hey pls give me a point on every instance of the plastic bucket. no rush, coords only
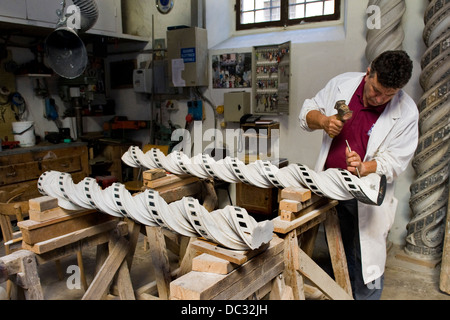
(24, 133)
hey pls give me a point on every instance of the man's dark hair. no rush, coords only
(393, 69)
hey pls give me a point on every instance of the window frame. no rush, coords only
(284, 17)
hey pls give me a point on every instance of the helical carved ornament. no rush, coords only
(335, 184)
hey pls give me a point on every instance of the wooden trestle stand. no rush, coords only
(206, 270)
(300, 217)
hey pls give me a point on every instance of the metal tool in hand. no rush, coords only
(350, 150)
(344, 112)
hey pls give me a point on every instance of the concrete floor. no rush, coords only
(403, 280)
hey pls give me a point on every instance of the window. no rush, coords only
(281, 13)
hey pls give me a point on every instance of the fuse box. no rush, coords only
(271, 79)
(187, 52)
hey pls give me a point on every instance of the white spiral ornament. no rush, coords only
(389, 34)
(231, 227)
(335, 184)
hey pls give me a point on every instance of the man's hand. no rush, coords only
(354, 161)
(331, 125)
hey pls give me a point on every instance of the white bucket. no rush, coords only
(24, 133)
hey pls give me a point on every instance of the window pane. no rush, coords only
(248, 17)
(314, 9)
(247, 5)
(272, 14)
(297, 11)
(260, 4)
(329, 7)
(268, 12)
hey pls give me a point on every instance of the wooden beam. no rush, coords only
(337, 252)
(309, 269)
(102, 280)
(292, 278)
(160, 260)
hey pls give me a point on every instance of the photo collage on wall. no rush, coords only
(232, 70)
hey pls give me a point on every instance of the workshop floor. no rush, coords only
(403, 280)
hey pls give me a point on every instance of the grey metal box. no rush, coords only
(236, 104)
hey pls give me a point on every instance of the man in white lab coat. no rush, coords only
(383, 136)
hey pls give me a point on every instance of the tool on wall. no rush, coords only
(344, 113)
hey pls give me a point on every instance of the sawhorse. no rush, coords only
(298, 264)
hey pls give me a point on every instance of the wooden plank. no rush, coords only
(170, 179)
(160, 260)
(208, 263)
(31, 224)
(283, 227)
(72, 237)
(34, 231)
(309, 269)
(337, 252)
(252, 274)
(50, 214)
(172, 194)
(104, 277)
(292, 278)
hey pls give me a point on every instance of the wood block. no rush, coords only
(208, 263)
(50, 214)
(70, 238)
(287, 215)
(290, 205)
(283, 227)
(169, 180)
(239, 284)
(43, 203)
(305, 207)
(153, 174)
(34, 231)
(296, 193)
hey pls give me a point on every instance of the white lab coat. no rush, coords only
(392, 144)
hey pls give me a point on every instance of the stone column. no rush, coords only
(430, 190)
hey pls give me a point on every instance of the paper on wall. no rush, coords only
(177, 68)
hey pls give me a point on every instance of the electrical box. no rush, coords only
(187, 52)
(236, 104)
(195, 108)
(271, 79)
(142, 80)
